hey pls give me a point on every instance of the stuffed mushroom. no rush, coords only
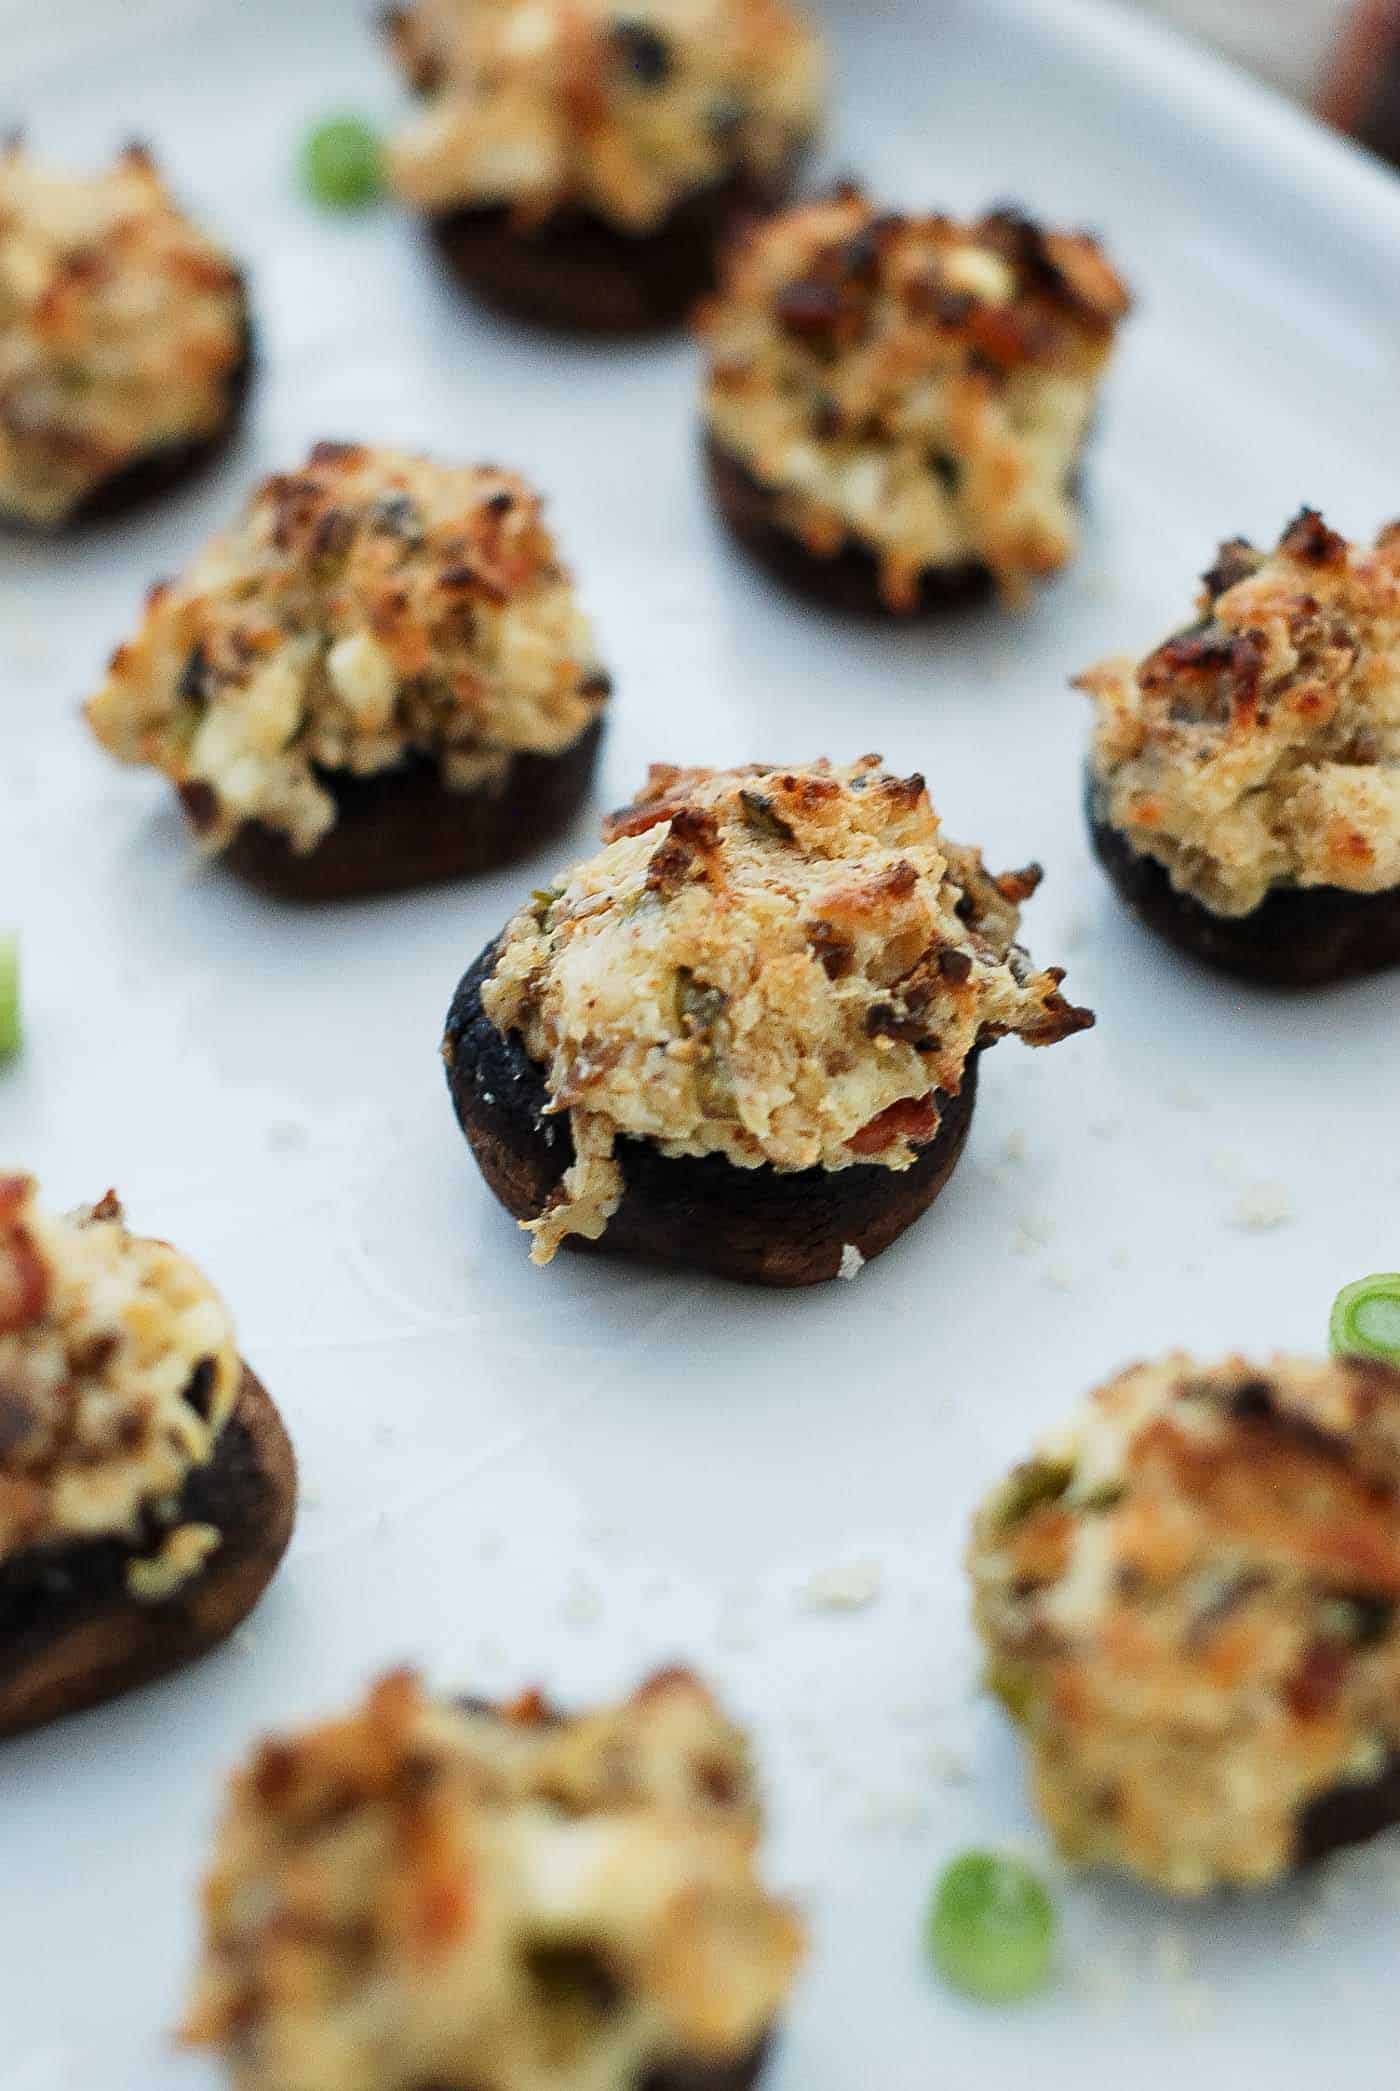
(745, 1036)
(125, 341)
(895, 408)
(436, 1892)
(581, 164)
(147, 1488)
(1244, 782)
(380, 677)
(1190, 1601)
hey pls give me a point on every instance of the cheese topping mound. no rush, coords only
(121, 328)
(367, 609)
(777, 966)
(1189, 1599)
(118, 1370)
(420, 1893)
(627, 112)
(1260, 747)
(920, 385)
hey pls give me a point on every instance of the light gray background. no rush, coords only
(575, 1474)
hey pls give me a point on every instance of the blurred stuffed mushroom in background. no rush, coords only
(378, 678)
(1244, 779)
(125, 341)
(147, 1486)
(582, 164)
(896, 408)
(1190, 1602)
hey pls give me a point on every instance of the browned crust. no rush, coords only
(1298, 936)
(72, 1636)
(848, 580)
(759, 1226)
(579, 274)
(159, 471)
(403, 828)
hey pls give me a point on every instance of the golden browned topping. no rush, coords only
(118, 1370)
(920, 385)
(428, 1893)
(622, 110)
(121, 327)
(1189, 1602)
(777, 966)
(1260, 747)
(370, 607)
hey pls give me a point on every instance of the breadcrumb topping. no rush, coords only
(921, 385)
(777, 966)
(1189, 1600)
(546, 104)
(427, 1893)
(121, 328)
(371, 607)
(118, 1371)
(1260, 747)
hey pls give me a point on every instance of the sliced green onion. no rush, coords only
(991, 1930)
(1366, 1319)
(341, 163)
(9, 997)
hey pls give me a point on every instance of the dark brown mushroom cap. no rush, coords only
(847, 580)
(579, 274)
(1298, 937)
(72, 1634)
(158, 472)
(402, 829)
(759, 1226)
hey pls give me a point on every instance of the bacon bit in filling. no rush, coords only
(371, 607)
(546, 104)
(118, 1371)
(919, 386)
(913, 1119)
(1260, 748)
(427, 1893)
(121, 329)
(1190, 1600)
(783, 967)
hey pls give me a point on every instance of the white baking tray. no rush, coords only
(574, 1474)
